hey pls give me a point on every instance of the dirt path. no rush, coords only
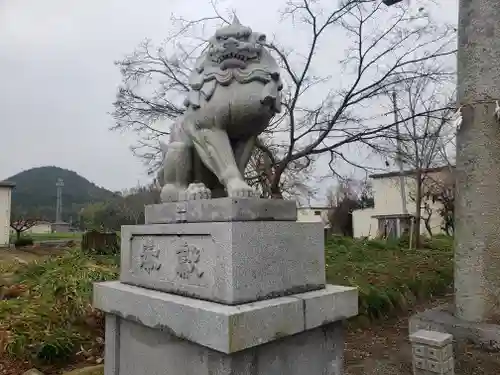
(384, 349)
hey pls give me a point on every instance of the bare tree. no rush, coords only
(127, 208)
(22, 224)
(296, 183)
(350, 194)
(324, 100)
(417, 144)
(444, 193)
(131, 204)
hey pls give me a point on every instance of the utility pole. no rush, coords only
(59, 186)
(399, 156)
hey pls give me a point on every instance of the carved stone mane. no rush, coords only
(257, 65)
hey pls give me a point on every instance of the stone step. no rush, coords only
(221, 209)
(223, 328)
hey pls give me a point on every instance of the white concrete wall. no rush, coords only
(40, 228)
(387, 192)
(363, 223)
(308, 215)
(5, 202)
(387, 197)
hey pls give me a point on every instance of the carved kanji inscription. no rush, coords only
(150, 254)
(188, 258)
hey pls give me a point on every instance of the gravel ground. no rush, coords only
(384, 349)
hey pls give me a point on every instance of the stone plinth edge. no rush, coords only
(431, 338)
(223, 328)
(441, 319)
(221, 209)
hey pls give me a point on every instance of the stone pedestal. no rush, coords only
(432, 353)
(238, 291)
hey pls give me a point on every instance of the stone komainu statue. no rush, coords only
(234, 93)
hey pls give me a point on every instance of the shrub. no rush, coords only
(101, 243)
(23, 241)
(391, 277)
(51, 322)
(55, 319)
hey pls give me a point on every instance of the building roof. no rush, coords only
(314, 208)
(7, 184)
(392, 216)
(409, 172)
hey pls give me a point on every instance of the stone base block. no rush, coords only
(432, 353)
(441, 319)
(132, 349)
(156, 333)
(223, 328)
(227, 262)
(221, 209)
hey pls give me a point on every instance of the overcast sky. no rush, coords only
(57, 78)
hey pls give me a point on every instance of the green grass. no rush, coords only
(49, 236)
(50, 323)
(390, 277)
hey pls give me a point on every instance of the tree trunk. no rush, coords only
(451, 226)
(276, 192)
(18, 234)
(418, 208)
(428, 225)
(275, 189)
(427, 217)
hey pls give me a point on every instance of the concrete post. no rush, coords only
(477, 223)
(432, 353)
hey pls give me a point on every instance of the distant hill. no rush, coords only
(35, 193)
